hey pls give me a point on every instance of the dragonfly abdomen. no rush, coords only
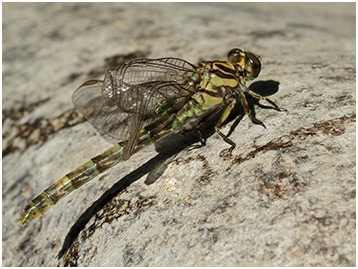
(73, 180)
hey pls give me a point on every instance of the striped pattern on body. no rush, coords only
(210, 84)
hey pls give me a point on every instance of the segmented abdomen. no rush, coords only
(71, 181)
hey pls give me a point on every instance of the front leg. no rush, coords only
(247, 111)
(261, 97)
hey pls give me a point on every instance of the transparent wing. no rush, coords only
(128, 98)
(145, 70)
(102, 112)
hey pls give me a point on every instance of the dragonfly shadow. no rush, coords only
(167, 149)
(155, 167)
(265, 88)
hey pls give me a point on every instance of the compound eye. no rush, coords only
(255, 63)
(234, 55)
(234, 52)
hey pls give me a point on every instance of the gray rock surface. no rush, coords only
(286, 195)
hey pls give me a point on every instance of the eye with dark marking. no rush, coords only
(234, 52)
(234, 55)
(254, 62)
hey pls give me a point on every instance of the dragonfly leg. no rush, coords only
(247, 111)
(201, 140)
(202, 123)
(222, 119)
(261, 97)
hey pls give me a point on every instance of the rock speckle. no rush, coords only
(284, 197)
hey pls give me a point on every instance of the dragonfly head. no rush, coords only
(249, 62)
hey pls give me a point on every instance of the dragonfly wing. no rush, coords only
(147, 70)
(128, 97)
(102, 112)
(149, 98)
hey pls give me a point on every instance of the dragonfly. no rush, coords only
(144, 100)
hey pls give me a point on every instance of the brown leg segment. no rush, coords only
(220, 122)
(245, 105)
(202, 122)
(261, 97)
(201, 144)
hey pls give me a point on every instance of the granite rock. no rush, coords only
(286, 195)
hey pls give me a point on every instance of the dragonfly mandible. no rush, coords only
(144, 100)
